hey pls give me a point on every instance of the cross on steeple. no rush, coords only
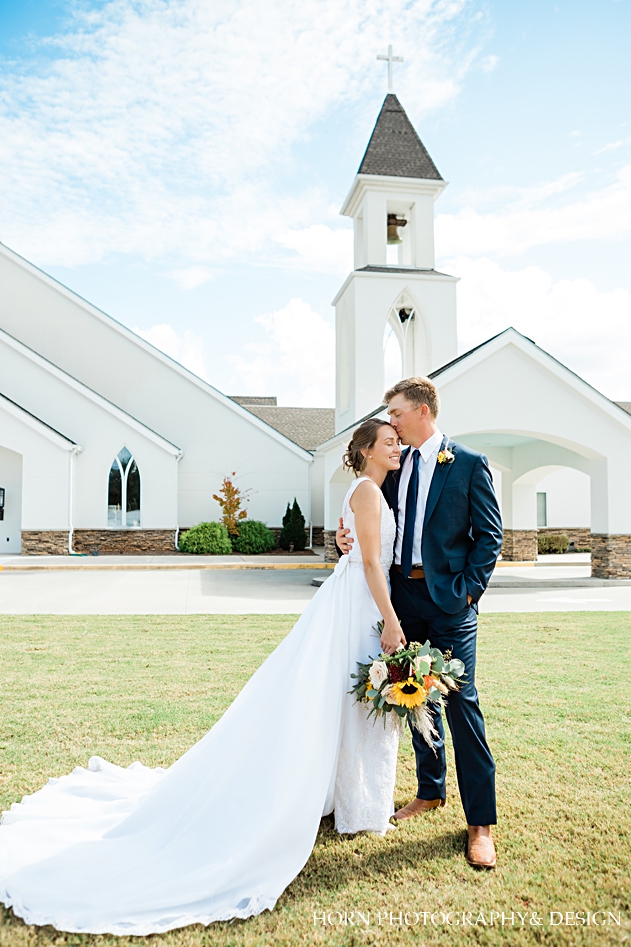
(390, 59)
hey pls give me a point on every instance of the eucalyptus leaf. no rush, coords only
(455, 667)
(437, 663)
(372, 693)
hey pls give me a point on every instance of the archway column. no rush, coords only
(611, 519)
(519, 519)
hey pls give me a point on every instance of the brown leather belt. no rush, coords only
(418, 572)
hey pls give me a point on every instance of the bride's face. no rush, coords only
(386, 451)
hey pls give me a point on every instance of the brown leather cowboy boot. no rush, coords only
(417, 807)
(480, 847)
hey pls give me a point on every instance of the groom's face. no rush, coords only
(409, 420)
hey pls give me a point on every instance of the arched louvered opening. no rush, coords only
(123, 501)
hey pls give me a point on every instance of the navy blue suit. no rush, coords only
(462, 538)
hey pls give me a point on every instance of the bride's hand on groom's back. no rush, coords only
(342, 539)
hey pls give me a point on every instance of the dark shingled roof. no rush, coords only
(392, 268)
(306, 427)
(395, 148)
(247, 400)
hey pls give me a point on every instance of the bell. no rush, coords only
(394, 223)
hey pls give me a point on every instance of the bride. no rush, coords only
(224, 830)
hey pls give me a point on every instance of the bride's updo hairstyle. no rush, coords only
(363, 439)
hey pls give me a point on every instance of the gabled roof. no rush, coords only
(478, 353)
(88, 393)
(394, 147)
(17, 411)
(152, 350)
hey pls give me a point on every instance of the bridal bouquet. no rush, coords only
(404, 682)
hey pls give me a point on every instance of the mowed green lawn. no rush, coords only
(556, 691)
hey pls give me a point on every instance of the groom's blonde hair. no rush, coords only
(417, 391)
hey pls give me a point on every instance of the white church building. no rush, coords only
(107, 445)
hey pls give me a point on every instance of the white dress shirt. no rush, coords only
(426, 467)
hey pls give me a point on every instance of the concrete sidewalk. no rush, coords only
(15, 563)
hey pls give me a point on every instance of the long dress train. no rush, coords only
(223, 831)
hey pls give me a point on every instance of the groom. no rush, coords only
(449, 535)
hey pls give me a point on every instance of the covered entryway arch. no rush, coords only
(523, 459)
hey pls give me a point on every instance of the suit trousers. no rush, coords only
(421, 619)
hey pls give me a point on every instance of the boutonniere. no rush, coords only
(445, 456)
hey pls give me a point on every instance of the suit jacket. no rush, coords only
(462, 529)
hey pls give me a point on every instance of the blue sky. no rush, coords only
(182, 164)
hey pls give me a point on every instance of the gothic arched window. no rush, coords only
(123, 497)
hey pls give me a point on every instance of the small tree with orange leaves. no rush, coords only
(230, 502)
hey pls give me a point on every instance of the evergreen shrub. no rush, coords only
(254, 538)
(293, 530)
(206, 539)
(551, 542)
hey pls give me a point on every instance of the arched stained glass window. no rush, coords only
(123, 499)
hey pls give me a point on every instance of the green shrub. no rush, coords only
(254, 537)
(207, 539)
(551, 542)
(293, 530)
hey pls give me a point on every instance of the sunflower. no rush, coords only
(408, 693)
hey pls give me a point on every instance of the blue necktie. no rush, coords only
(410, 518)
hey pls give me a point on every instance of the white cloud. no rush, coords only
(187, 349)
(489, 63)
(297, 363)
(191, 277)
(321, 248)
(601, 214)
(610, 147)
(586, 329)
(166, 127)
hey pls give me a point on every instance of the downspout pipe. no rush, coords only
(176, 538)
(71, 465)
(310, 546)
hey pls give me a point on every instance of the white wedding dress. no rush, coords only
(224, 830)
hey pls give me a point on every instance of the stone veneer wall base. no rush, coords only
(45, 542)
(103, 542)
(520, 545)
(611, 555)
(117, 542)
(579, 535)
(124, 542)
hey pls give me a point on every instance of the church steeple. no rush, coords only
(394, 300)
(397, 181)
(394, 148)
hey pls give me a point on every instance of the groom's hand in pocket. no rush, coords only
(342, 539)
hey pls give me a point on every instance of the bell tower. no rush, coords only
(394, 290)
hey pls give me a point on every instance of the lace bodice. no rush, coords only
(388, 529)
